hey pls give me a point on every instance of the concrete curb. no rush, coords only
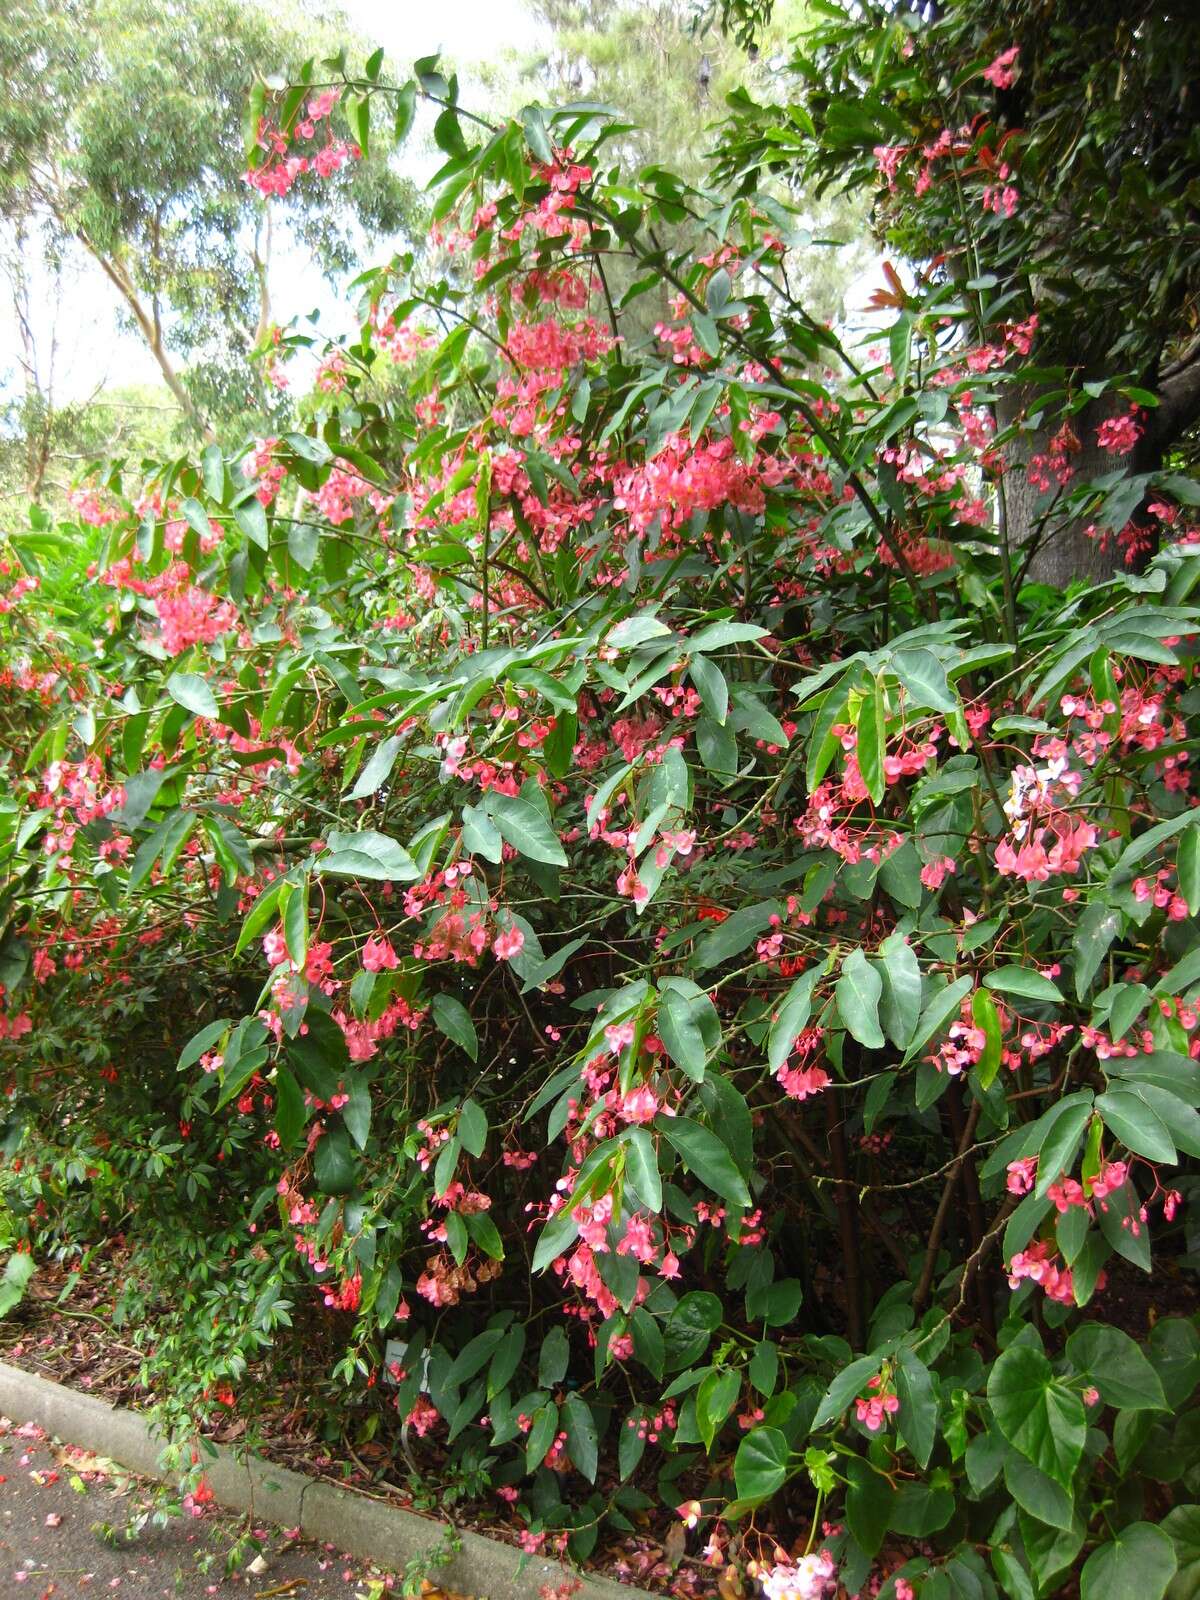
(387, 1535)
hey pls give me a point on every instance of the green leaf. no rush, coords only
(985, 1017)
(1037, 1494)
(858, 993)
(719, 634)
(707, 1157)
(761, 1464)
(480, 836)
(1117, 1367)
(688, 1026)
(690, 1327)
(1037, 1413)
(553, 1358)
(776, 1303)
(763, 1367)
(1098, 927)
(869, 1498)
(541, 1435)
(1050, 1550)
(485, 1234)
(192, 692)
(917, 1420)
(524, 827)
(1175, 1354)
(1012, 1575)
(290, 1115)
(871, 725)
(454, 1020)
(356, 1113)
(1182, 1526)
(377, 770)
(472, 1127)
(937, 1015)
(19, 1270)
(474, 1356)
(358, 115)
(848, 1383)
(714, 691)
(1137, 1564)
(200, 1043)
(715, 1399)
(406, 109)
(335, 1165)
(1127, 1116)
(631, 1446)
(731, 937)
(924, 678)
(251, 518)
(792, 1018)
(1187, 867)
(367, 854)
(641, 1167)
(1056, 1154)
(900, 1004)
(582, 1438)
(1024, 983)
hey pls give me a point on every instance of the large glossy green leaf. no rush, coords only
(1117, 1367)
(857, 994)
(641, 1167)
(367, 854)
(760, 1467)
(1023, 983)
(192, 692)
(917, 1421)
(1136, 1564)
(688, 1025)
(1037, 1412)
(454, 1020)
(1139, 1128)
(582, 1436)
(706, 1157)
(524, 827)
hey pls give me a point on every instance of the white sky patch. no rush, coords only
(94, 352)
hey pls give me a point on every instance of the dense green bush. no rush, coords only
(598, 866)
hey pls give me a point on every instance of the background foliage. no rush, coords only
(592, 858)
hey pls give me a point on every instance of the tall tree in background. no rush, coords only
(1082, 206)
(670, 73)
(122, 129)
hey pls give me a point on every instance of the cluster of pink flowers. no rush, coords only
(1040, 1264)
(275, 176)
(338, 495)
(874, 1408)
(1119, 435)
(1052, 467)
(1001, 72)
(1033, 862)
(799, 1080)
(805, 1578)
(269, 473)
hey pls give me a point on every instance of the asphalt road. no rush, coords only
(72, 1524)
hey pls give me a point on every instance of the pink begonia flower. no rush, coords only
(378, 955)
(1000, 72)
(507, 944)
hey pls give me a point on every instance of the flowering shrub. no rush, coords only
(589, 876)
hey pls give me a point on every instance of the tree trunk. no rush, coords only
(1065, 552)
(152, 334)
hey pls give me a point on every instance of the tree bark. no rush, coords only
(1066, 552)
(152, 334)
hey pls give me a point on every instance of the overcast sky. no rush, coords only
(94, 353)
